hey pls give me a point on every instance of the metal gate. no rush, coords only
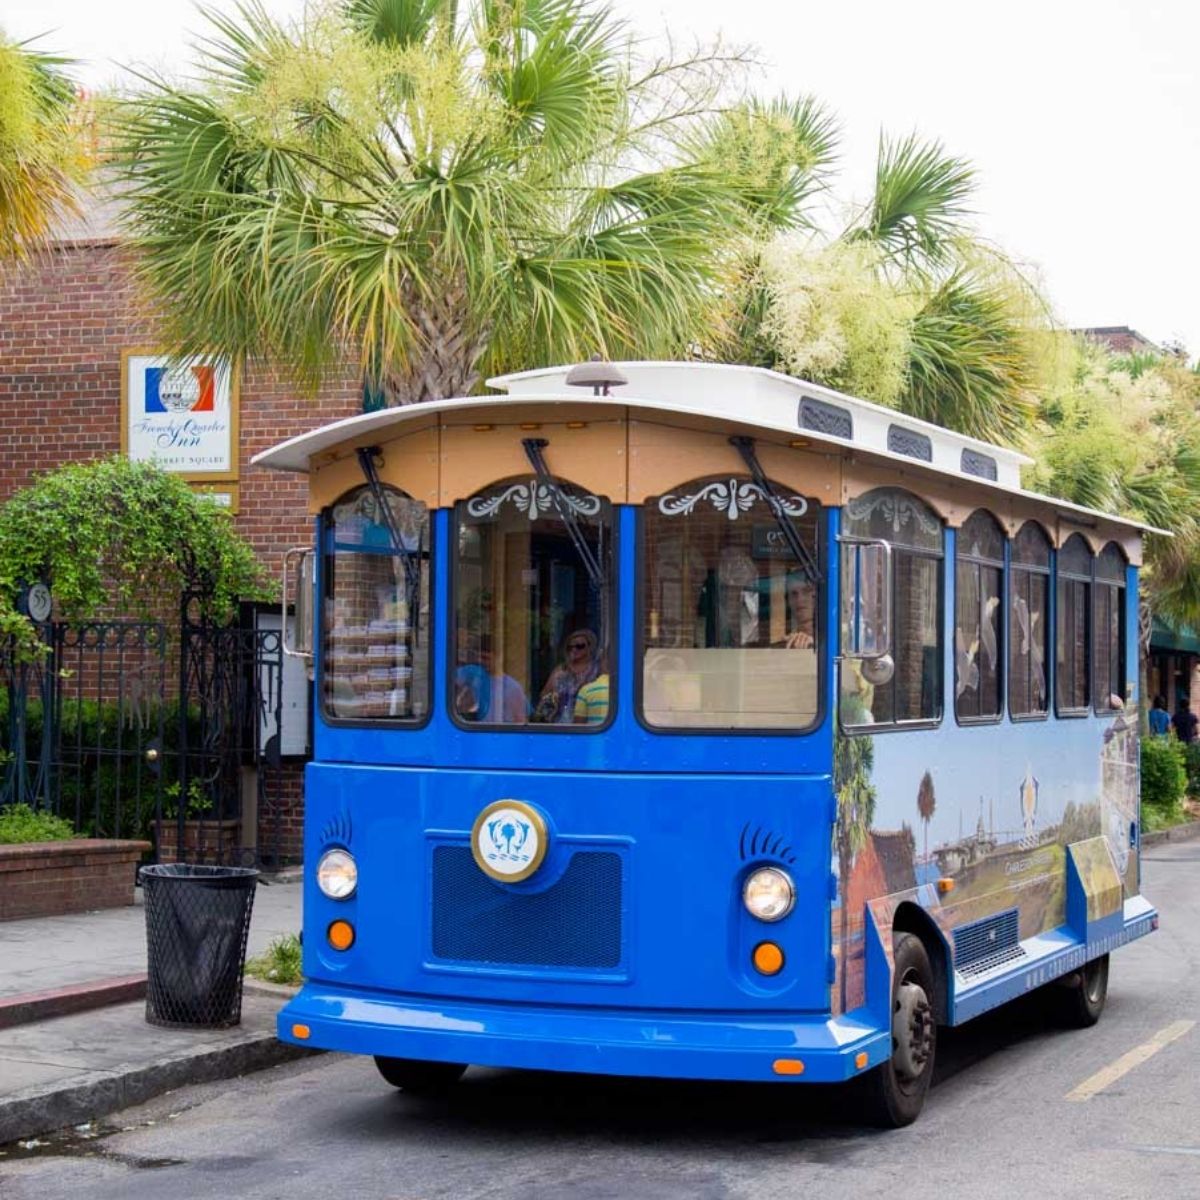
(92, 733)
(228, 764)
(81, 723)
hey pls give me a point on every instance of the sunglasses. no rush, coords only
(577, 645)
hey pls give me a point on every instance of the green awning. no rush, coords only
(1183, 640)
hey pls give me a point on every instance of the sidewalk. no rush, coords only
(57, 1070)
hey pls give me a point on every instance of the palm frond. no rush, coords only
(44, 146)
(400, 22)
(969, 368)
(779, 154)
(918, 210)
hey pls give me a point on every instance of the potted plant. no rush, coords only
(206, 836)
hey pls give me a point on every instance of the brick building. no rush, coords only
(65, 318)
(1121, 339)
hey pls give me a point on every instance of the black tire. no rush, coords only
(1078, 999)
(894, 1093)
(418, 1077)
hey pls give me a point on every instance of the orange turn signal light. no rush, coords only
(860, 1060)
(767, 958)
(787, 1066)
(945, 885)
(301, 1031)
(340, 935)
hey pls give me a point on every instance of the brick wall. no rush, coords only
(64, 320)
(46, 879)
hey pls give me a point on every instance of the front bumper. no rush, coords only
(596, 1041)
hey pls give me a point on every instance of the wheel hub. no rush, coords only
(912, 1031)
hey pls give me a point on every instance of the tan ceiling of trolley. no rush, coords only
(452, 456)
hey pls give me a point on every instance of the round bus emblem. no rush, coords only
(509, 840)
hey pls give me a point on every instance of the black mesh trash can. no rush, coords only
(197, 922)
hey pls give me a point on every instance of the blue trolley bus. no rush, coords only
(694, 721)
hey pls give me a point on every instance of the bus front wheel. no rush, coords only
(419, 1078)
(895, 1091)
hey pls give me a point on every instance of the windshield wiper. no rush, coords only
(745, 447)
(533, 451)
(412, 570)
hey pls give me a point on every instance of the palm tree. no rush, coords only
(43, 147)
(853, 761)
(926, 804)
(964, 314)
(437, 190)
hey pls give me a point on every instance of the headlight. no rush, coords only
(337, 874)
(769, 894)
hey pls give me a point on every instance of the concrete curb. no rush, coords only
(1177, 833)
(264, 987)
(45, 1108)
(61, 1002)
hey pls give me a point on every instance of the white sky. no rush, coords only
(1081, 116)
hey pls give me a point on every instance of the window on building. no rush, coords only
(979, 619)
(914, 692)
(1073, 626)
(1108, 624)
(533, 605)
(375, 649)
(730, 620)
(1029, 623)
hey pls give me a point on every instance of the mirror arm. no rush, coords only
(412, 572)
(800, 552)
(533, 451)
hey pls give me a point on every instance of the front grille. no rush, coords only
(985, 944)
(576, 922)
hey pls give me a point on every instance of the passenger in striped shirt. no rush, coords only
(591, 701)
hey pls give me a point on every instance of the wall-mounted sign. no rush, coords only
(223, 495)
(180, 413)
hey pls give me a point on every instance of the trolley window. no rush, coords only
(1073, 626)
(978, 619)
(729, 617)
(912, 691)
(1029, 623)
(375, 653)
(533, 603)
(1108, 624)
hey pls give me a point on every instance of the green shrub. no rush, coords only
(1164, 781)
(281, 962)
(1192, 752)
(19, 823)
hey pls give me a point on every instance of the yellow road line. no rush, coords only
(1126, 1063)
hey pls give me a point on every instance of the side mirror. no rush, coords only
(867, 602)
(878, 671)
(298, 566)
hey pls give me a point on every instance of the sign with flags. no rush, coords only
(181, 414)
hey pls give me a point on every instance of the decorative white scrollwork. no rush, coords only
(897, 509)
(733, 498)
(534, 499)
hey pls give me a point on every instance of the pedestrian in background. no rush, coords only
(1160, 719)
(1184, 721)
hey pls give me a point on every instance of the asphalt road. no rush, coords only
(1017, 1109)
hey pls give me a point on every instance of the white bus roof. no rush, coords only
(745, 396)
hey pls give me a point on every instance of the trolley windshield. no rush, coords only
(532, 603)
